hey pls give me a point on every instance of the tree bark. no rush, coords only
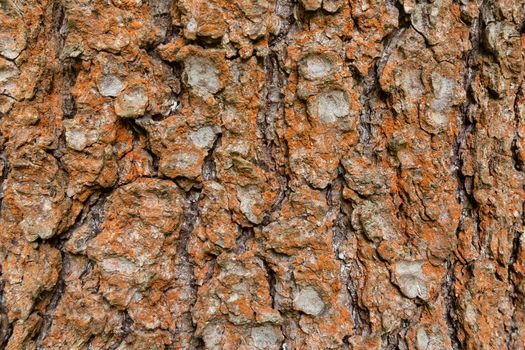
(262, 174)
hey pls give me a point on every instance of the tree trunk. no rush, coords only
(262, 174)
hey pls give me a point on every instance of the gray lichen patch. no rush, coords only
(132, 102)
(42, 226)
(179, 163)
(79, 136)
(8, 70)
(438, 116)
(203, 137)
(430, 337)
(265, 337)
(250, 198)
(311, 5)
(308, 301)
(409, 276)
(422, 339)
(375, 224)
(12, 42)
(332, 5)
(109, 85)
(9, 74)
(202, 74)
(329, 106)
(315, 67)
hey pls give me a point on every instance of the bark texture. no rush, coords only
(262, 174)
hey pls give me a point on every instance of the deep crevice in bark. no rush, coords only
(126, 329)
(6, 327)
(4, 170)
(450, 309)
(371, 85)
(189, 220)
(272, 280)
(209, 170)
(516, 161)
(56, 296)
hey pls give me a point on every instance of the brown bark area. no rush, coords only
(262, 174)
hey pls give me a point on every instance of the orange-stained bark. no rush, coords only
(262, 174)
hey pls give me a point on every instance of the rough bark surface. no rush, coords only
(262, 174)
